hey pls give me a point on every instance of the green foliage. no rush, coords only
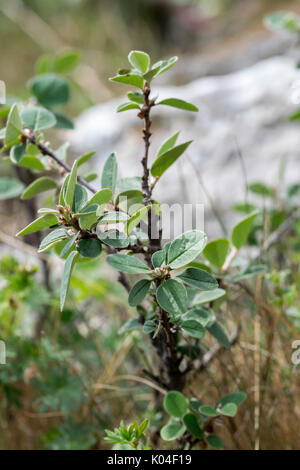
(10, 188)
(133, 435)
(110, 173)
(38, 186)
(216, 251)
(241, 231)
(50, 90)
(175, 404)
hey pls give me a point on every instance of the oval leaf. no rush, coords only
(10, 188)
(172, 430)
(172, 297)
(50, 89)
(127, 264)
(110, 173)
(165, 160)
(193, 328)
(139, 60)
(185, 248)
(38, 224)
(216, 251)
(37, 119)
(175, 404)
(138, 292)
(240, 232)
(198, 278)
(38, 186)
(65, 284)
(180, 104)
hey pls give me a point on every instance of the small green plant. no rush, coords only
(133, 436)
(176, 295)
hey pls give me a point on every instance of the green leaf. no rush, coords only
(65, 284)
(251, 271)
(10, 188)
(172, 297)
(149, 326)
(90, 177)
(114, 238)
(127, 264)
(295, 116)
(84, 158)
(63, 122)
(68, 246)
(67, 61)
(159, 259)
(260, 188)
(168, 144)
(113, 217)
(130, 79)
(216, 252)
(192, 425)
(89, 247)
(132, 198)
(165, 160)
(164, 65)
(198, 278)
(205, 297)
(136, 97)
(139, 60)
(138, 292)
(80, 198)
(101, 197)
(38, 224)
(43, 64)
(132, 324)
(230, 409)
(38, 186)
(135, 219)
(193, 328)
(47, 210)
(203, 315)
(88, 216)
(208, 411)
(50, 89)
(240, 232)
(17, 152)
(110, 173)
(37, 119)
(63, 191)
(172, 430)
(217, 332)
(214, 441)
(128, 184)
(52, 238)
(181, 104)
(175, 404)
(127, 107)
(186, 248)
(236, 397)
(32, 163)
(247, 208)
(13, 126)
(282, 21)
(70, 189)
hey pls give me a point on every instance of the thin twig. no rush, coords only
(50, 153)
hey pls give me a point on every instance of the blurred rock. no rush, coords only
(249, 108)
